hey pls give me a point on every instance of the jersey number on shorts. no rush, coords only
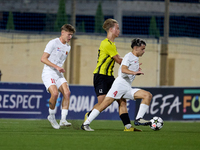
(53, 80)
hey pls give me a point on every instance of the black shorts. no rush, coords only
(102, 83)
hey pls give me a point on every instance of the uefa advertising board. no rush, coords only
(174, 103)
(30, 101)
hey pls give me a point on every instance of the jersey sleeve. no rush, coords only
(49, 47)
(111, 50)
(125, 61)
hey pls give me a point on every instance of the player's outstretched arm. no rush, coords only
(45, 60)
(117, 59)
(125, 69)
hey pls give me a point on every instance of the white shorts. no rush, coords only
(122, 89)
(53, 78)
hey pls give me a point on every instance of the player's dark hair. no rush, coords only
(68, 28)
(137, 42)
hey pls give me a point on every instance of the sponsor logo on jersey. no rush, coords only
(66, 52)
(58, 49)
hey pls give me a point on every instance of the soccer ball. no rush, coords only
(156, 123)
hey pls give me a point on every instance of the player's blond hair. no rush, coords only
(68, 28)
(109, 23)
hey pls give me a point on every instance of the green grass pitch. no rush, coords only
(19, 134)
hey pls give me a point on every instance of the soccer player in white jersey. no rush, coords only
(54, 56)
(121, 88)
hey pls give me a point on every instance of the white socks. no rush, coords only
(64, 114)
(52, 112)
(142, 110)
(92, 116)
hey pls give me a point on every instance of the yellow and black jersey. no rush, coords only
(105, 62)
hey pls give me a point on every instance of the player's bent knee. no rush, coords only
(122, 103)
(100, 100)
(67, 94)
(148, 97)
(54, 94)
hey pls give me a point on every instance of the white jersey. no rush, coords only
(58, 53)
(132, 62)
(121, 87)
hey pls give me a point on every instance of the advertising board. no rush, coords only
(28, 100)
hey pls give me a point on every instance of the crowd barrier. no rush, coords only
(30, 101)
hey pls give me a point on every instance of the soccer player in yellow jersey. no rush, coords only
(107, 55)
(103, 74)
(121, 87)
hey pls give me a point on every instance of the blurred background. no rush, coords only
(171, 29)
